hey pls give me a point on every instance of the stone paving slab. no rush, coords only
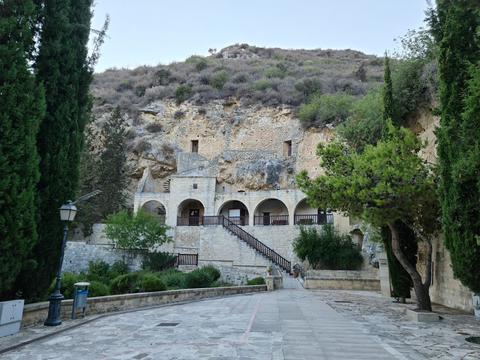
(387, 320)
(286, 324)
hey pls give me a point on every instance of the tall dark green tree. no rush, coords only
(112, 174)
(63, 68)
(399, 277)
(89, 213)
(104, 168)
(21, 108)
(456, 28)
(388, 110)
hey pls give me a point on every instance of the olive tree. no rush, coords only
(141, 231)
(384, 184)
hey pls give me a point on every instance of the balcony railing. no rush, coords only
(268, 220)
(314, 219)
(210, 220)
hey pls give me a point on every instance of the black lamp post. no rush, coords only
(67, 214)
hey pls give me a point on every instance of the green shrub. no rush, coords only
(97, 288)
(199, 62)
(157, 261)
(321, 110)
(256, 281)
(118, 268)
(410, 90)
(211, 271)
(124, 284)
(173, 278)
(220, 79)
(197, 279)
(327, 249)
(274, 72)
(365, 125)
(183, 93)
(263, 84)
(150, 282)
(98, 271)
(309, 87)
(66, 285)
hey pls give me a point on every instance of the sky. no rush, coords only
(151, 32)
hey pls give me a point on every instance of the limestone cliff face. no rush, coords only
(245, 147)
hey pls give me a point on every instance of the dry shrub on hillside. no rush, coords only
(251, 74)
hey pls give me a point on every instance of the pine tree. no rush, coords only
(21, 108)
(63, 68)
(456, 29)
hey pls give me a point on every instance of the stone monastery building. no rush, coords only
(244, 229)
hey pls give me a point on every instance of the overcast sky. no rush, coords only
(161, 31)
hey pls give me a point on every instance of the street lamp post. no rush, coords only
(67, 214)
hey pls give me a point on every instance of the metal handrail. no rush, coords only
(256, 244)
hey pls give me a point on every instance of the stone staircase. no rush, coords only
(256, 244)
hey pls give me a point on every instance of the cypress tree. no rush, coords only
(21, 108)
(108, 173)
(64, 69)
(400, 280)
(456, 31)
(89, 213)
(112, 174)
(388, 110)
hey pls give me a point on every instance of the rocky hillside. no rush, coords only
(240, 104)
(254, 75)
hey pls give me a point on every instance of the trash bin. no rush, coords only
(80, 295)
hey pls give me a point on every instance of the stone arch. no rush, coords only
(271, 211)
(236, 211)
(155, 208)
(305, 214)
(190, 212)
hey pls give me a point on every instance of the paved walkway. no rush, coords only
(287, 324)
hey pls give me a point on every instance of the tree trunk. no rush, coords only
(421, 289)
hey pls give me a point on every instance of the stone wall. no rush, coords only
(78, 254)
(37, 313)
(445, 289)
(342, 280)
(215, 244)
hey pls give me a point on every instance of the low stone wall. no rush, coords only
(37, 313)
(342, 280)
